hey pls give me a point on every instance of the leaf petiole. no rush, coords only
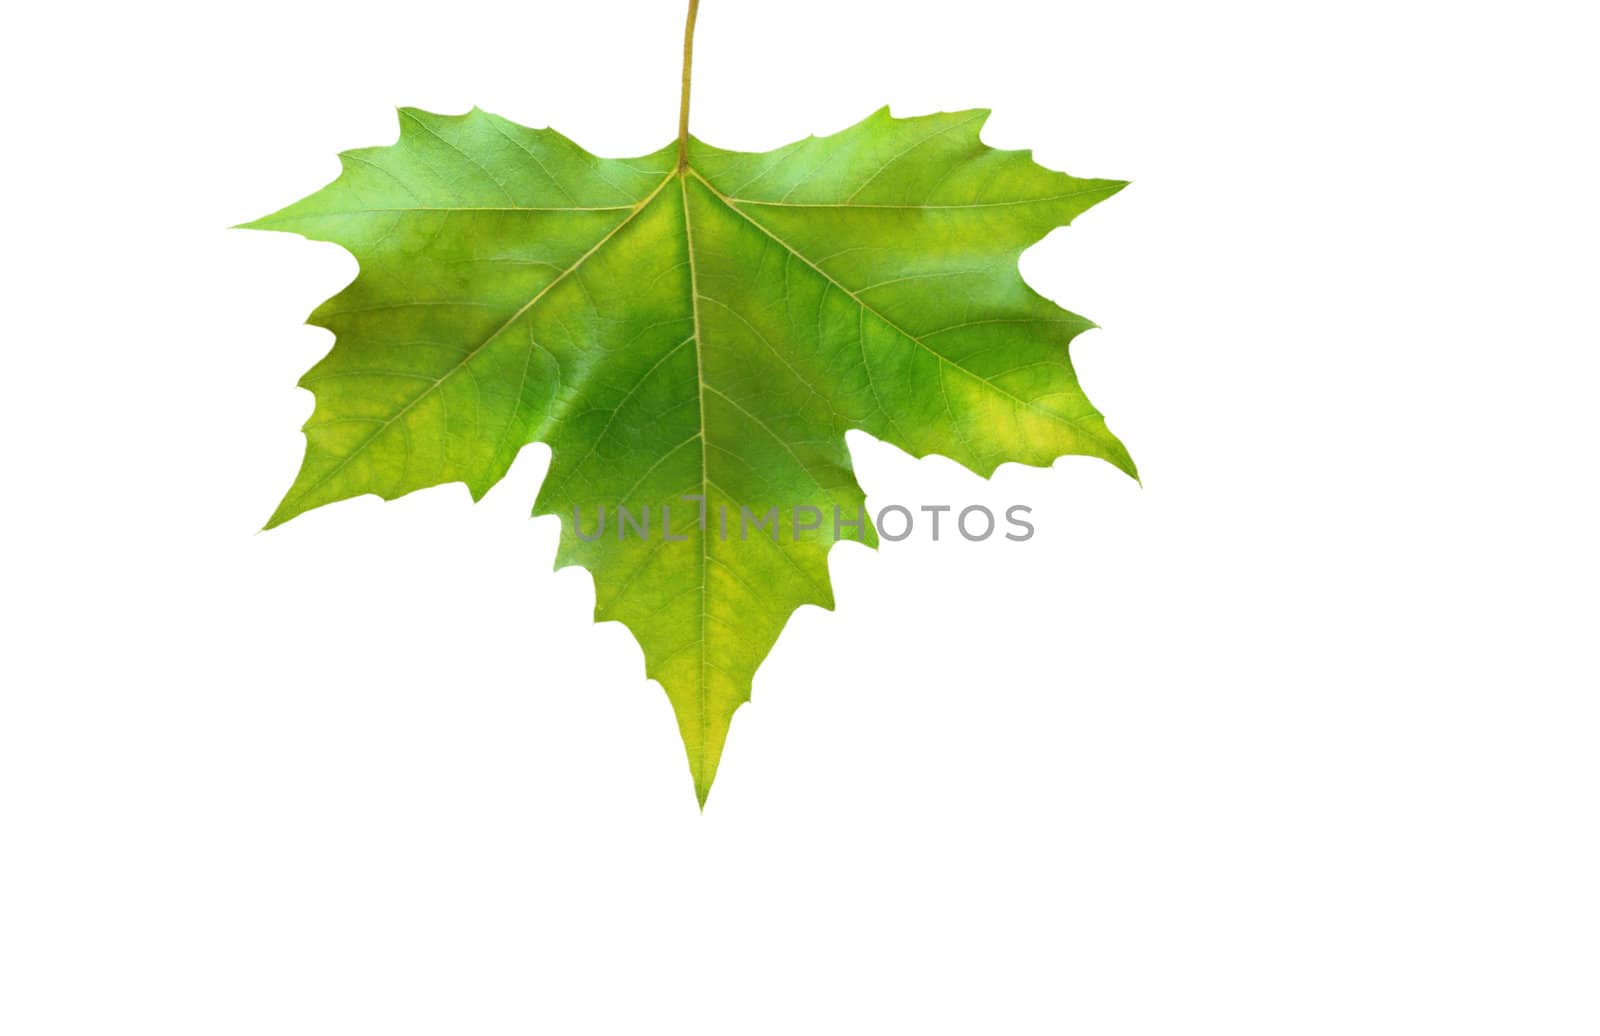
(683, 105)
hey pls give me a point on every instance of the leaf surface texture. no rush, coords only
(678, 335)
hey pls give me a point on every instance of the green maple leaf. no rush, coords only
(695, 323)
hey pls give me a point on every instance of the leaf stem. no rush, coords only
(683, 106)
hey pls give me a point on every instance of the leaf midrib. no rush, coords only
(705, 470)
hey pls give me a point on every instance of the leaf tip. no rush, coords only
(414, 121)
(1122, 460)
(289, 507)
(267, 222)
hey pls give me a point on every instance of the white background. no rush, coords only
(1298, 738)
